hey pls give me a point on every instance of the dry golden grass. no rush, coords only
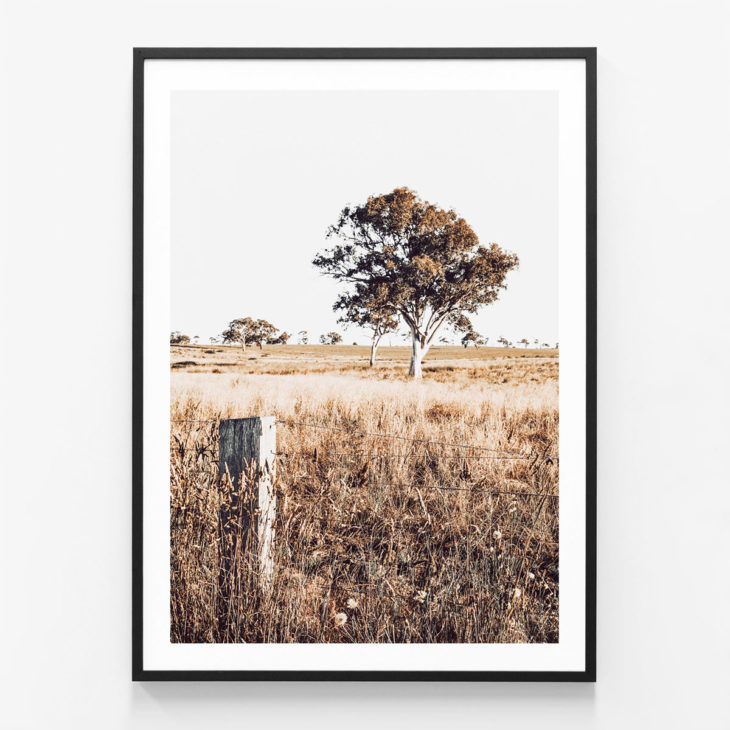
(370, 547)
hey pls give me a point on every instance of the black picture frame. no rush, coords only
(141, 55)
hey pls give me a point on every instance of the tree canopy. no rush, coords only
(331, 338)
(424, 263)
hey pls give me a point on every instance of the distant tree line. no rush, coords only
(247, 331)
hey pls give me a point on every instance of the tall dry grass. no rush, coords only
(370, 547)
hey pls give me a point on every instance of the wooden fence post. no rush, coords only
(247, 448)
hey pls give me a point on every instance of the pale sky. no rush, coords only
(257, 177)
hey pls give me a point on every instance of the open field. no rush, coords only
(377, 540)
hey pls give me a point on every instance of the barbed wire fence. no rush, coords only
(349, 463)
(316, 454)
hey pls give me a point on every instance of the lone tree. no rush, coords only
(524, 341)
(468, 338)
(370, 312)
(178, 338)
(461, 323)
(473, 337)
(425, 262)
(331, 338)
(281, 339)
(303, 337)
(249, 331)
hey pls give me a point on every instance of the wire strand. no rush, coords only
(305, 424)
(466, 489)
(195, 420)
(397, 456)
(399, 438)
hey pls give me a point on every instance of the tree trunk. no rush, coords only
(417, 352)
(243, 344)
(374, 348)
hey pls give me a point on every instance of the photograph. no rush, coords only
(384, 288)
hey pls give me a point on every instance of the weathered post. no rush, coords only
(247, 452)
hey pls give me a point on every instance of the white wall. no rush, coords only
(664, 502)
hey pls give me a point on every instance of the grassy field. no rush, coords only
(377, 540)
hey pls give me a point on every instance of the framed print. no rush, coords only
(364, 364)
